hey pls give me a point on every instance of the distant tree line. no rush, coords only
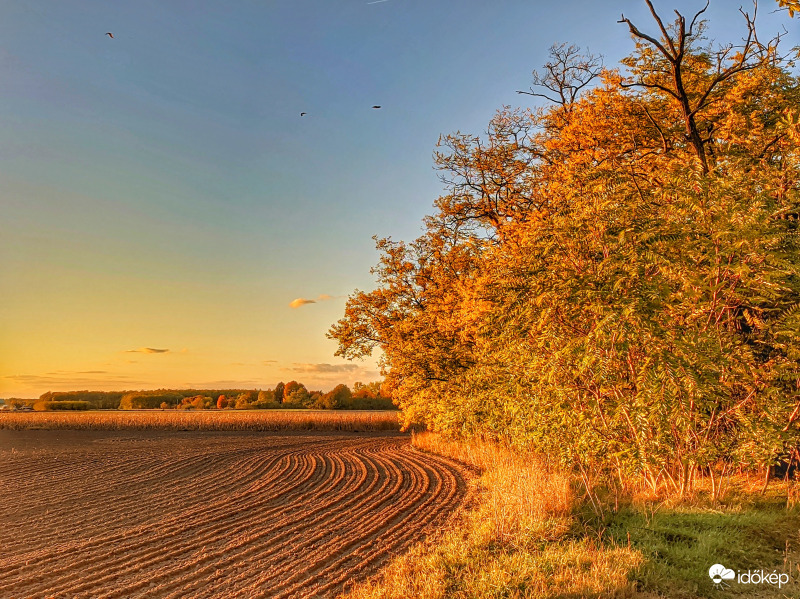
(291, 395)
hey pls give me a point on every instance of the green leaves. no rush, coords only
(590, 289)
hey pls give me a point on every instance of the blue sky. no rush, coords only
(159, 189)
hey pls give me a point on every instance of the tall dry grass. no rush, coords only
(521, 496)
(211, 420)
(515, 541)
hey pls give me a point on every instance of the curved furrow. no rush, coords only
(214, 546)
(396, 539)
(245, 515)
(418, 483)
(31, 470)
(130, 512)
(50, 544)
(267, 548)
(255, 543)
(282, 556)
(369, 513)
(137, 554)
(197, 539)
(128, 540)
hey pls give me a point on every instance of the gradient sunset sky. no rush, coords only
(162, 202)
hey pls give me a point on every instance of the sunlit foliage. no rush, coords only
(613, 278)
(793, 6)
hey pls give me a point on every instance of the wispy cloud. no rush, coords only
(323, 368)
(254, 364)
(146, 350)
(225, 384)
(71, 372)
(69, 380)
(302, 301)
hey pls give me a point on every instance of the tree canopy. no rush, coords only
(614, 277)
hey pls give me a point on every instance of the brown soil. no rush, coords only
(211, 514)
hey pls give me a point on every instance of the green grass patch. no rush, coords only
(679, 545)
(528, 535)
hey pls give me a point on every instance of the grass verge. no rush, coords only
(680, 541)
(516, 540)
(528, 534)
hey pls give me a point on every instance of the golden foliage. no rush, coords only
(613, 279)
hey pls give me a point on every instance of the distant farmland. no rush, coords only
(211, 420)
(171, 514)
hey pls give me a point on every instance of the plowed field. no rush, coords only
(210, 514)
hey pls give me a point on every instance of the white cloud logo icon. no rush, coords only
(718, 573)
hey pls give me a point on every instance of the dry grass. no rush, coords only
(521, 496)
(515, 542)
(211, 420)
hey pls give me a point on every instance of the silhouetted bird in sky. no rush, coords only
(111, 35)
(303, 113)
(376, 106)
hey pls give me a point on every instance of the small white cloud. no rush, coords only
(300, 301)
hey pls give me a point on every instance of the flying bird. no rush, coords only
(303, 113)
(376, 106)
(111, 35)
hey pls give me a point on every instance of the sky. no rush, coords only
(167, 217)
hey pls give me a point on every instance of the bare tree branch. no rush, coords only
(564, 76)
(673, 48)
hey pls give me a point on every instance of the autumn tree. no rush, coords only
(290, 388)
(336, 398)
(613, 278)
(278, 393)
(297, 394)
(367, 391)
(245, 399)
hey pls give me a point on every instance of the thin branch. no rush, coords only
(694, 20)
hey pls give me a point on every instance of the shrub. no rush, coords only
(144, 400)
(266, 405)
(370, 403)
(336, 399)
(61, 405)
